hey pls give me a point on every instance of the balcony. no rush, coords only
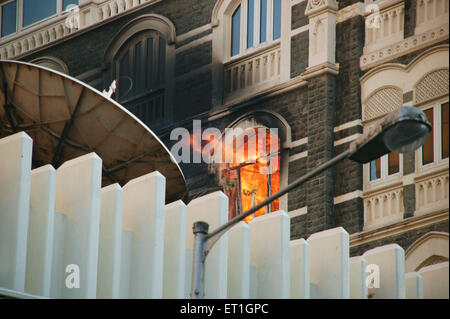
(63, 24)
(384, 28)
(430, 14)
(253, 72)
(383, 207)
(432, 191)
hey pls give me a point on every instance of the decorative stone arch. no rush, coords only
(269, 119)
(431, 248)
(151, 23)
(381, 102)
(145, 22)
(52, 63)
(405, 77)
(431, 86)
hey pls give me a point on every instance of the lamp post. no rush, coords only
(401, 131)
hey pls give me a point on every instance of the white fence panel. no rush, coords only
(239, 262)
(213, 209)
(299, 267)
(269, 252)
(110, 245)
(15, 170)
(78, 187)
(391, 262)
(174, 250)
(40, 231)
(143, 214)
(329, 255)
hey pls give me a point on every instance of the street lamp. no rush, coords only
(401, 131)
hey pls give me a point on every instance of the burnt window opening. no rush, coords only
(254, 173)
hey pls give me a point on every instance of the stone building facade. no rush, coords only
(320, 71)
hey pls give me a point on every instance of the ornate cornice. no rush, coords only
(315, 7)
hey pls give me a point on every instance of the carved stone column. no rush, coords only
(322, 37)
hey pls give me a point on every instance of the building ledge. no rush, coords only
(400, 227)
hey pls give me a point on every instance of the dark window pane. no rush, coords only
(393, 163)
(444, 129)
(250, 23)
(375, 169)
(276, 19)
(162, 60)
(428, 146)
(125, 81)
(263, 23)
(138, 68)
(66, 3)
(34, 11)
(236, 32)
(9, 14)
(149, 77)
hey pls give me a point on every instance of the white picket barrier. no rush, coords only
(299, 268)
(391, 262)
(269, 252)
(110, 244)
(78, 197)
(40, 231)
(329, 267)
(15, 171)
(238, 275)
(213, 209)
(413, 286)
(60, 230)
(358, 278)
(174, 250)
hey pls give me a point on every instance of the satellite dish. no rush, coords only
(67, 118)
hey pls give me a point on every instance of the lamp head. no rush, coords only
(402, 131)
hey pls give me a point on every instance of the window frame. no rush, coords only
(19, 16)
(436, 105)
(384, 178)
(161, 84)
(257, 46)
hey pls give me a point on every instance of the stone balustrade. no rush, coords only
(253, 72)
(62, 25)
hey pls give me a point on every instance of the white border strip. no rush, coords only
(298, 156)
(193, 33)
(347, 139)
(298, 212)
(295, 2)
(299, 142)
(194, 43)
(347, 197)
(347, 125)
(299, 30)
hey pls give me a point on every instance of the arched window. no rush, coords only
(253, 174)
(254, 23)
(141, 61)
(140, 76)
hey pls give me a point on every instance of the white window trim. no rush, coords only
(19, 17)
(257, 46)
(437, 149)
(384, 179)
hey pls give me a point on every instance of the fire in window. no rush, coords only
(254, 172)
